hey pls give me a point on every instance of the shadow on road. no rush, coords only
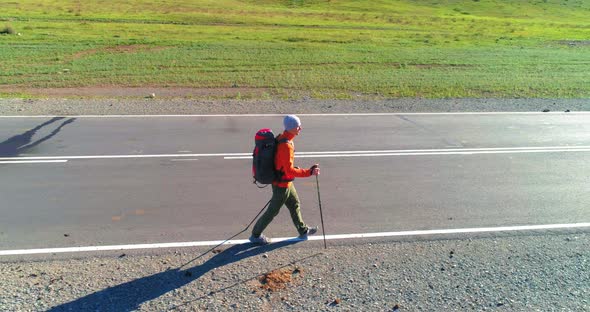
(18, 144)
(128, 296)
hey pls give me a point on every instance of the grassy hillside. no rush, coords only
(322, 48)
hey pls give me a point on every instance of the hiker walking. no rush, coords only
(283, 190)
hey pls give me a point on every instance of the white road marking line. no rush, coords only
(123, 156)
(316, 237)
(310, 115)
(32, 161)
(457, 149)
(423, 154)
(426, 152)
(417, 152)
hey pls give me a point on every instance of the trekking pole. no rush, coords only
(317, 181)
(225, 241)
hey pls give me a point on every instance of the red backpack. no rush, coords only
(263, 157)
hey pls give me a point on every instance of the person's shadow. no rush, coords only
(18, 144)
(128, 296)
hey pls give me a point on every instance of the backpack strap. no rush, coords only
(282, 140)
(280, 172)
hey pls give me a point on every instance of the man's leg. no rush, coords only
(293, 204)
(279, 195)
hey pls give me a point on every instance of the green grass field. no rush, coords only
(321, 48)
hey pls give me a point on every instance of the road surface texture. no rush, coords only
(452, 211)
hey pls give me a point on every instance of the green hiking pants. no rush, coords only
(281, 196)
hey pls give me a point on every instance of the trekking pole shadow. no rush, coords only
(227, 240)
(130, 295)
(211, 293)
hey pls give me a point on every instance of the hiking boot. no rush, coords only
(310, 231)
(260, 240)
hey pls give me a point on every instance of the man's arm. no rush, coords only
(286, 157)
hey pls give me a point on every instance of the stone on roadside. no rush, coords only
(335, 302)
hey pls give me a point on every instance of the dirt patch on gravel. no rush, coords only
(278, 279)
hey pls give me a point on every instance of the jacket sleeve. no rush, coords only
(286, 155)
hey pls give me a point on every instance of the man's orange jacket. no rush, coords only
(284, 161)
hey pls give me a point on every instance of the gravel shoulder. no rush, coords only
(183, 106)
(530, 272)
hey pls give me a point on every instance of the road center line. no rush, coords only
(365, 153)
(317, 237)
(457, 152)
(32, 161)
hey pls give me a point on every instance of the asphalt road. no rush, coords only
(79, 181)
